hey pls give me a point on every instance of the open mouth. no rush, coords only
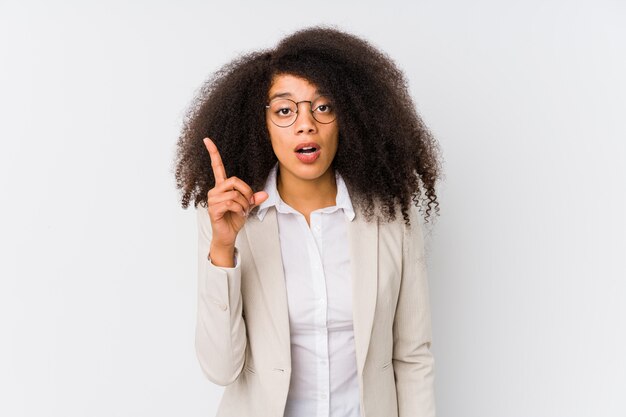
(307, 149)
(307, 152)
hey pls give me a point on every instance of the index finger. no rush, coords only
(216, 161)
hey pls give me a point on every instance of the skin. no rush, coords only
(305, 187)
(229, 203)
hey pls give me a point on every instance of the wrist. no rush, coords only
(223, 256)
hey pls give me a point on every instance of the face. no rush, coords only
(292, 145)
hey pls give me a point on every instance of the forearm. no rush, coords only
(220, 328)
(415, 384)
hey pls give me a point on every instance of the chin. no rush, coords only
(307, 171)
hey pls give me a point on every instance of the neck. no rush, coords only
(307, 195)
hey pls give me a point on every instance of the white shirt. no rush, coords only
(316, 265)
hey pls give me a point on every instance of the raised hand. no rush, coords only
(229, 204)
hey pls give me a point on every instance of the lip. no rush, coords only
(307, 145)
(307, 158)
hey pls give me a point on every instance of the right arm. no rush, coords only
(220, 329)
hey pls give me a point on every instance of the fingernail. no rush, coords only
(252, 200)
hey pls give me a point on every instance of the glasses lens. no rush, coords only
(323, 110)
(283, 112)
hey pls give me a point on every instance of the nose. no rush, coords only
(305, 123)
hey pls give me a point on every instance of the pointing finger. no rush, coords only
(216, 161)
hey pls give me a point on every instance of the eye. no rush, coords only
(324, 108)
(284, 111)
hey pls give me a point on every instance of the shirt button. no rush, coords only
(323, 396)
(323, 363)
(322, 301)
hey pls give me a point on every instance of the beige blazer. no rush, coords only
(242, 331)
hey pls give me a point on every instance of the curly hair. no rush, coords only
(386, 155)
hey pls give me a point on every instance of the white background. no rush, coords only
(98, 260)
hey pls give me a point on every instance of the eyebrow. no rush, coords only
(318, 94)
(279, 95)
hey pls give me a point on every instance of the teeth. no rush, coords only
(307, 148)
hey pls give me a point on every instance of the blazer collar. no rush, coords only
(342, 200)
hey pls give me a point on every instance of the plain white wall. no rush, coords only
(98, 269)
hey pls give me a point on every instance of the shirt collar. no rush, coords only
(342, 199)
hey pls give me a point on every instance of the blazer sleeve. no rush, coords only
(220, 329)
(413, 362)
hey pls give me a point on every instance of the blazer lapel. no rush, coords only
(363, 240)
(265, 247)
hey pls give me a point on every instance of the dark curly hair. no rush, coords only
(386, 155)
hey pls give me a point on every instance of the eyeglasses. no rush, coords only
(284, 112)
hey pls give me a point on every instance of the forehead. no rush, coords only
(287, 85)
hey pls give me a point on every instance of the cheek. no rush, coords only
(271, 129)
(335, 139)
(278, 144)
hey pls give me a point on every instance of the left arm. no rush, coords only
(413, 363)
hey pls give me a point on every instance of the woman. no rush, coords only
(309, 164)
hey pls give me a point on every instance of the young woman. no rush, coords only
(310, 168)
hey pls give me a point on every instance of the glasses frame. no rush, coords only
(267, 106)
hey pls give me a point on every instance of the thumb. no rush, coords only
(259, 197)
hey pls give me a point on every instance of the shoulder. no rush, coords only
(415, 220)
(399, 222)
